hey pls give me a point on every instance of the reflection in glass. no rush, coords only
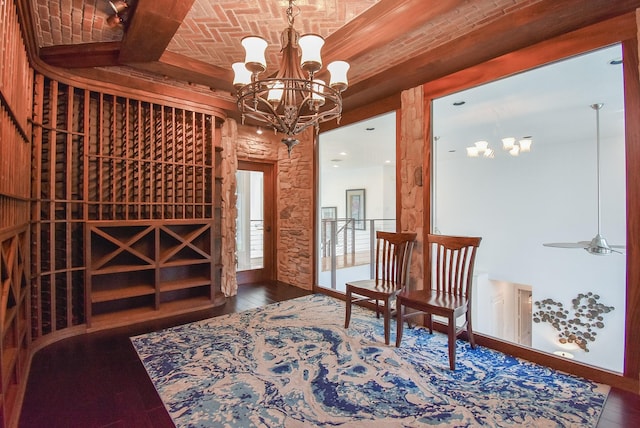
(249, 223)
(527, 293)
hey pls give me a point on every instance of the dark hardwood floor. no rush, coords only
(97, 380)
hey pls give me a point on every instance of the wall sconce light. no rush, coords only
(120, 9)
(115, 21)
(118, 6)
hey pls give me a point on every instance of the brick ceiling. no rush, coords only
(196, 41)
(212, 30)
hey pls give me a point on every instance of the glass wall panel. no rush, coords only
(559, 190)
(357, 197)
(250, 235)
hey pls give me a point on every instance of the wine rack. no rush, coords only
(104, 159)
(16, 81)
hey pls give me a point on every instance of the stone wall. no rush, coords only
(295, 213)
(295, 193)
(229, 166)
(294, 196)
(410, 167)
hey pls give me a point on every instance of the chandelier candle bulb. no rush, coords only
(275, 93)
(515, 150)
(311, 45)
(525, 145)
(481, 145)
(508, 142)
(255, 48)
(338, 71)
(242, 76)
(472, 152)
(317, 96)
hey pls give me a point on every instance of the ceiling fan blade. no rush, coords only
(623, 247)
(582, 244)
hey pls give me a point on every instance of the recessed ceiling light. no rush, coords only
(459, 103)
(616, 61)
(370, 129)
(336, 160)
(452, 151)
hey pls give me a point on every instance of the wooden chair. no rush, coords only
(449, 295)
(393, 258)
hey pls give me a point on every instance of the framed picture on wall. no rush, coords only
(356, 208)
(329, 213)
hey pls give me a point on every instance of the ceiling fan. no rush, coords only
(598, 245)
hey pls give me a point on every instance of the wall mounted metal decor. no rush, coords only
(577, 325)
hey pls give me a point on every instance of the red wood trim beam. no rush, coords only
(151, 27)
(380, 25)
(517, 30)
(187, 69)
(632, 156)
(82, 55)
(156, 92)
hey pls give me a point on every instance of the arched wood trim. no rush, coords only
(101, 80)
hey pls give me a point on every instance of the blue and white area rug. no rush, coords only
(292, 364)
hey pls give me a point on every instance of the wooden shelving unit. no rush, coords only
(140, 269)
(124, 193)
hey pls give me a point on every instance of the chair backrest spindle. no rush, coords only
(453, 258)
(393, 256)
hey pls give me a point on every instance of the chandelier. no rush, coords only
(290, 101)
(508, 143)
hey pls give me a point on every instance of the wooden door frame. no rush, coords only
(267, 273)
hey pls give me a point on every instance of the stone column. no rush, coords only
(295, 213)
(410, 164)
(229, 210)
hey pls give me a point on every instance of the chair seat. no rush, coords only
(448, 290)
(391, 273)
(384, 288)
(434, 302)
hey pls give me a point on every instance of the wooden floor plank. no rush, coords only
(98, 381)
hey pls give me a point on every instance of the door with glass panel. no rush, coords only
(255, 247)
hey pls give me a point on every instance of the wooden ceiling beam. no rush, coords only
(183, 68)
(381, 24)
(83, 55)
(514, 31)
(150, 29)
